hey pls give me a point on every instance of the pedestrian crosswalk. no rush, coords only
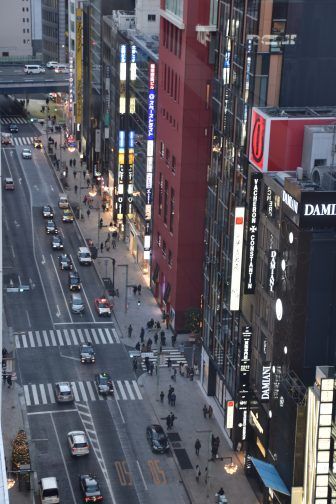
(13, 120)
(173, 354)
(66, 337)
(23, 140)
(84, 391)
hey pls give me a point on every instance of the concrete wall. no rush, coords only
(16, 28)
(143, 9)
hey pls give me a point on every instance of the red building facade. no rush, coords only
(182, 156)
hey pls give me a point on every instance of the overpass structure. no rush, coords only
(13, 81)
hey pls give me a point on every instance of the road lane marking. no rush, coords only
(87, 301)
(51, 393)
(115, 334)
(74, 388)
(129, 389)
(45, 337)
(142, 476)
(66, 335)
(80, 334)
(90, 389)
(59, 336)
(49, 412)
(108, 335)
(38, 337)
(95, 337)
(43, 394)
(52, 336)
(101, 334)
(35, 396)
(137, 390)
(73, 335)
(64, 462)
(122, 391)
(88, 335)
(60, 284)
(123, 473)
(27, 315)
(24, 341)
(26, 394)
(82, 389)
(31, 338)
(17, 341)
(158, 474)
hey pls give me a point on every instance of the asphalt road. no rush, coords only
(48, 335)
(16, 73)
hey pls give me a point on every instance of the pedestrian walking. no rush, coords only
(4, 377)
(114, 244)
(9, 381)
(170, 391)
(55, 145)
(198, 473)
(172, 419)
(163, 338)
(85, 199)
(101, 247)
(130, 330)
(169, 362)
(135, 290)
(84, 173)
(156, 337)
(75, 173)
(137, 346)
(142, 334)
(210, 412)
(76, 188)
(70, 163)
(135, 363)
(149, 344)
(162, 396)
(180, 368)
(173, 376)
(173, 340)
(88, 213)
(147, 364)
(151, 368)
(139, 289)
(88, 182)
(173, 399)
(74, 162)
(168, 421)
(205, 411)
(198, 446)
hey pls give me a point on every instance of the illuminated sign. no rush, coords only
(133, 65)
(150, 158)
(252, 234)
(257, 140)
(266, 382)
(290, 201)
(244, 375)
(229, 414)
(79, 66)
(238, 238)
(123, 62)
(272, 266)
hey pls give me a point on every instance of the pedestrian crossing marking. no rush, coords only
(173, 354)
(66, 337)
(13, 120)
(84, 392)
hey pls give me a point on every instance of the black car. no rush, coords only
(157, 439)
(51, 227)
(90, 488)
(57, 243)
(74, 281)
(13, 128)
(65, 262)
(47, 211)
(87, 353)
(104, 383)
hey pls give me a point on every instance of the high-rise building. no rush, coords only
(16, 29)
(264, 54)
(182, 156)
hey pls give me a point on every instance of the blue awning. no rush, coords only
(270, 476)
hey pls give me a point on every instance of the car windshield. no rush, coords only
(77, 302)
(102, 304)
(104, 379)
(87, 349)
(80, 445)
(50, 492)
(160, 436)
(65, 392)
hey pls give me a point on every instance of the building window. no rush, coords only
(167, 156)
(24, 41)
(162, 149)
(165, 208)
(160, 193)
(173, 164)
(170, 258)
(23, 20)
(164, 248)
(172, 210)
(24, 31)
(151, 17)
(159, 239)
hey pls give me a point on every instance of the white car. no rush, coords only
(27, 154)
(52, 64)
(78, 443)
(63, 392)
(84, 256)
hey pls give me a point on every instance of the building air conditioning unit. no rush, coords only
(317, 174)
(329, 181)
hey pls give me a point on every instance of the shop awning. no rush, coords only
(270, 476)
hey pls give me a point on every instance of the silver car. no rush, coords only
(63, 392)
(77, 305)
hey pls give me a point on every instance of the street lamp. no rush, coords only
(231, 467)
(93, 191)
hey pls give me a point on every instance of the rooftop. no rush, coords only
(292, 112)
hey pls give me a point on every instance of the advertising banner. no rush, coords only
(79, 66)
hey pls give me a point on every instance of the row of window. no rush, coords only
(172, 38)
(25, 9)
(162, 244)
(165, 154)
(169, 118)
(24, 20)
(25, 30)
(151, 17)
(171, 83)
(164, 202)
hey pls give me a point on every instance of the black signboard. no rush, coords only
(244, 378)
(318, 209)
(252, 233)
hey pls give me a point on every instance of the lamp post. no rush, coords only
(126, 283)
(209, 432)
(113, 267)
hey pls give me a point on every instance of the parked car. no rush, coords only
(26, 154)
(63, 392)
(78, 443)
(157, 439)
(9, 184)
(90, 488)
(52, 64)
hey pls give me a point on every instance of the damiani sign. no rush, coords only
(323, 209)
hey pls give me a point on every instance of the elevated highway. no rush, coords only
(13, 80)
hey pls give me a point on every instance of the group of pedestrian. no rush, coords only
(88, 201)
(149, 366)
(170, 419)
(207, 412)
(171, 396)
(136, 289)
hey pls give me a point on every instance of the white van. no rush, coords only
(63, 201)
(62, 68)
(49, 490)
(33, 69)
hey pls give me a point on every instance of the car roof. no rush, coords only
(26, 149)
(9, 179)
(156, 428)
(48, 483)
(83, 249)
(79, 436)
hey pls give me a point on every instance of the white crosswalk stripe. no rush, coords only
(13, 120)
(84, 391)
(19, 140)
(173, 354)
(66, 337)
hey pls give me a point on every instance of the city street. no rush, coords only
(47, 337)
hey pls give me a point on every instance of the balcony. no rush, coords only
(173, 12)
